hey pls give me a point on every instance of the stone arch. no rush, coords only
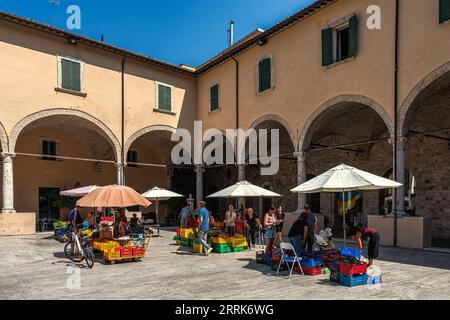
(282, 122)
(303, 139)
(3, 138)
(104, 130)
(405, 107)
(144, 131)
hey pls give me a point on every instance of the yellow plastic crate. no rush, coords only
(87, 232)
(238, 242)
(108, 246)
(221, 240)
(185, 233)
(112, 254)
(198, 248)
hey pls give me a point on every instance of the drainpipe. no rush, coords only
(122, 142)
(395, 169)
(241, 168)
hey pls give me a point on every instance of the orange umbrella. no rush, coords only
(113, 197)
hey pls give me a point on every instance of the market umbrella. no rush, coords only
(78, 192)
(113, 196)
(344, 178)
(244, 189)
(157, 194)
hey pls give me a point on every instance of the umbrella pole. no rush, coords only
(343, 218)
(156, 211)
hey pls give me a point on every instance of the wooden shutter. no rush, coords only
(327, 46)
(444, 11)
(164, 97)
(265, 75)
(214, 95)
(70, 75)
(353, 36)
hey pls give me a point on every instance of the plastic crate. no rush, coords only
(351, 252)
(198, 248)
(138, 251)
(222, 248)
(260, 257)
(353, 280)
(312, 262)
(238, 242)
(111, 255)
(176, 238)
(221, 240)
(350, 269)
(126, 251)
(178, 230)
(185, 233)
(238, 249)
(310, 271)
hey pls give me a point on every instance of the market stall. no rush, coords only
(105, 242)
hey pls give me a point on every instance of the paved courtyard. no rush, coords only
(34, 267)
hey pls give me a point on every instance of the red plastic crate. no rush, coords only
(138, 251)
(126, 251)
(178, 231)
(311, 271)
(351, 269)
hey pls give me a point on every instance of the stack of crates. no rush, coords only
(238, 243)
(352, 271)
(222, 244)
(186, 237)
(312, 265)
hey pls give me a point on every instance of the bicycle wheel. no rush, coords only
(70, 254)
(89, 256)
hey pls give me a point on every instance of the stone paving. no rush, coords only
(34, 267)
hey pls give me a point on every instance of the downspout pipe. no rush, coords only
(396, 76)
(237, 91)
(122, 138)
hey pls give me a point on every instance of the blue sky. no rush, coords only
(175, 31)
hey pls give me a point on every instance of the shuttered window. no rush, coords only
(214, 97)
(353, 36)
(70, 75)
(48, 150)
(444, 11)
(340, 42)
(265, 74)
(164, 97)
(327, 47)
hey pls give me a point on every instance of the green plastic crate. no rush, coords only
(238, 249)
(222, 248)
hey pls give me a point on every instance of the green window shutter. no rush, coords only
(327, 47)
(444, 11)
(164, 97)
(70, 75)
(353, 36)
(265, 75)
(214, 95)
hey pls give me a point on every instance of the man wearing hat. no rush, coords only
(312, 220)
(203, 227)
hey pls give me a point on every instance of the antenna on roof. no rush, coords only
(54, 3)
(102, 38)
(230, 33)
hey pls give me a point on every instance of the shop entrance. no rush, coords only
(48, 208)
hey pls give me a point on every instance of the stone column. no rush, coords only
(241, 172)
(120, 174)
(400, 192)
(199, 180)
(301, 177)
(8, 184)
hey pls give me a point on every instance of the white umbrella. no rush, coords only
(243, 189)
(78, 192)
(344, 178)
(158, 194)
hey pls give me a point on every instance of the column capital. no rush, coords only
(199, 169)
(8, 156)
(402, 142)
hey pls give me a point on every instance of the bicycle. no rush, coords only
(78, 251)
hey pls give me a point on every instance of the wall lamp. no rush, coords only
(261, 41)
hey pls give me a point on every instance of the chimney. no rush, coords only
(231, 34)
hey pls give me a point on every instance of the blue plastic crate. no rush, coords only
(352, 280)
(311, 262)
(351, 252)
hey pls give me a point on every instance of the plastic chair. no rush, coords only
(285, 258)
